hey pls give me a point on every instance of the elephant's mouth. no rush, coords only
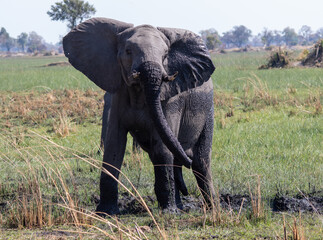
(151, 76)
(136, 75)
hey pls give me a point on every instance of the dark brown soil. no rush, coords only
(296, 204)
(129, 205)
(55, 64)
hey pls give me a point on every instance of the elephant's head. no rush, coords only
(163, 61)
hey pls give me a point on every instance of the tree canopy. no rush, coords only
(239, 36)
(5, 40)
(35, 43)
(267, 37)
(22, 40)
(72, 11)
(290, 36)
(211, 37)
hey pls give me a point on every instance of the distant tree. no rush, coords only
(256, 41)
(314, 37)
(290, 36)
(3, 31)
(6, 41)
(304, 34)
(72, 11)
(35, 43)
(22, 40)
(267, 37)
(211, 38)
(227, 38)
(239, 35)
(278, 38)
(319, 33)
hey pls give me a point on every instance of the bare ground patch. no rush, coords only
(57, 64)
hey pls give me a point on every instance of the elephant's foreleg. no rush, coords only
(164, 180)
(112, 161)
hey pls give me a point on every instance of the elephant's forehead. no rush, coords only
(146, 34)
(141, 34)
(147, 40)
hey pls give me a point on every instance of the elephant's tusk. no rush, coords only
(172, 77)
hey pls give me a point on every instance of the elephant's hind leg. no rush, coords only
(202, 161)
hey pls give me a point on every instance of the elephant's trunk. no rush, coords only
(151, 75)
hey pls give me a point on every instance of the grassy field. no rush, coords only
(268, 139)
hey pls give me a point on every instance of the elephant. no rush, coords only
(107, 105)
(162, 94)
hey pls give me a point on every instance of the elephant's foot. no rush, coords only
(179, 205)
(171, 210)
(178, 200)
(104, 210)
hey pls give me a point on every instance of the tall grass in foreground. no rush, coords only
(33, 207)
(46, 196)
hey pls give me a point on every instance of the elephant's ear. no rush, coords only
(189, 57)
(91, 48)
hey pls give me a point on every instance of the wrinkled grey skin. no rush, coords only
(106, 109)
(162, 95)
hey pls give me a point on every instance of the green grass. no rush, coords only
(30, 73)
(233, 69)
(285, 151)
(267, 123)
(275, 130)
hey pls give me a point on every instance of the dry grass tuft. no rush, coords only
(256, 202)
(296, 229)
(63, 126)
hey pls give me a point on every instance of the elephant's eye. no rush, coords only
(128, 51)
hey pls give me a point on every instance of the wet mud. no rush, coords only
(299, 203)
(314, 204)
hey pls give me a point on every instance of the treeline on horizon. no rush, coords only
(238, 36)
(30, 43)
(241, 36)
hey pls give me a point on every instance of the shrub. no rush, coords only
(278, 59)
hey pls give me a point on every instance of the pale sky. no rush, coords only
(30, 15)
